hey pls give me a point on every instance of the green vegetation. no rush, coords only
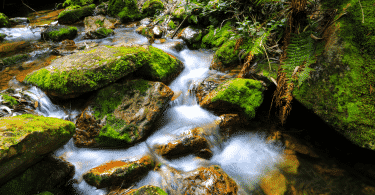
(246, 93)
(31, 123)
(14, 59)
(63, 33)
(127, 10)
(216, 37)
(116, 131)
(2, 36)
(172, 25)
(99, 22)
(104, 32)
(9, 99)
(152, 7)
(4, 20)
(71, 16)
(77, 2)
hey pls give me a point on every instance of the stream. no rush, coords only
(246, 156)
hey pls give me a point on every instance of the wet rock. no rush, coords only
(228, 98)
(59, 33)
(101, 9)
(157, 32)
(209, 84)
(97, 67)
(12, 60)
(15, 101)
(144, 190)
(273, 183)
(228, 124)
(210, 180)
(289, 163)
(152, 7)
(72, 16)
(49, 174)
(192, 142)
(66, 47)
(97, 27)
(18, 20)
(13, 47)
(119, 173)
(145, 21)
(293, 144)
(190, 35)
(26, 138)
(125, 112)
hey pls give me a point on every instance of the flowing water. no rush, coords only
(245, 156)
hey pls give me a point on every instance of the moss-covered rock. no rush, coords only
(241, 96)
(115, 173)
(152, 7)
(342, 88)
(45, 175)
(88, 70)
(191, 36)
(172, 25)
(2, 37)
(125, 118)
(7, 99)
(179, 13)
(9, 61)
(98, 27)
(72, 16)
(13, 48)
(147, 190)
(225, 56)
(59, 33)
(4, 20)
(26, 138)
(126, 10)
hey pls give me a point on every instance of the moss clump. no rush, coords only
(246, 93)
(9, 99)
(103, 32)
(77, 2)
(27, 123)
(14, 59)
(2, 36)
(216, 37)
(152, 7)
(226, 55)
(179, 13)
(99, 23)
(172, 25)
(344, 94)
(62, 34)
(71, 16)
(45, 193)
(149, 190)
(160, 65)
(4, 20)
(127, 10)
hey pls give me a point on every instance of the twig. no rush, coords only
(28, 6)
(175, 32)
(363, 16)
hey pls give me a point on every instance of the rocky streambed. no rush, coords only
(144, 114)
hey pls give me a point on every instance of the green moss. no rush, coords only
(216, 37)
(345, 98)
(226, 54)
(152, 7)
(71, 16)
(99, 22)
(9, 99)
(45, 193)
(63, 33)
(246, 93)
(4, 20)
(127, 10)
(32, 123)
(104, 31)
(172, 25)
(14, 59)
(160, 65)
(179, 13)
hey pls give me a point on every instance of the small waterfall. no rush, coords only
(245, 157)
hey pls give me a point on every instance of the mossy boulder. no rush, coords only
(98, 27)
(72, 16)
(122, 114)
(9, 61)
(59, 33)
(116, 173)
(242, 96)
(4, 20)
(147, 190)
(89, 70)
(179, 13)
(26, 138)
(191, 36)
(226, 56)
(152, 7)
(341, 90)
(45, 175)
(126, 10)
(192, 142)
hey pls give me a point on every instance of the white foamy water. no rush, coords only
(245, 157)
(21, 34)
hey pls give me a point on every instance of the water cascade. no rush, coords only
(245, 157)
